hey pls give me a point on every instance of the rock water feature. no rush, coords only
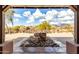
(39, 40)
(39, 43)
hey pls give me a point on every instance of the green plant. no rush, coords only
(16, 28)
(44, 26)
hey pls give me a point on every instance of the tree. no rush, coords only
(45, 26)
(9, 16)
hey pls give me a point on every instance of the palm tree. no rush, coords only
(9, 16)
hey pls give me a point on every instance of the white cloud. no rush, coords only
(49, 15)
(15, 20)
(62, 13)
(68, 17)
(30, 19)
(43, 15)
(42, 20)
(17, 15)
(37, 13)
(27, 13)
(54, 12)
(48, 18)
(67, 22)
(55, 23)
(70, 12)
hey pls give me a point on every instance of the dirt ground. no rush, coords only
(9, 37)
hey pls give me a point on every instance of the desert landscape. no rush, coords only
(44, 30)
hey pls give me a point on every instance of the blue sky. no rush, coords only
(34, 16)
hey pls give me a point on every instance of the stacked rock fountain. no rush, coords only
(39, 40)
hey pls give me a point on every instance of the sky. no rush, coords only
(35, 16)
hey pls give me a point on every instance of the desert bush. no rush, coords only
(45, 26)
(16, 29)
(22, 29)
